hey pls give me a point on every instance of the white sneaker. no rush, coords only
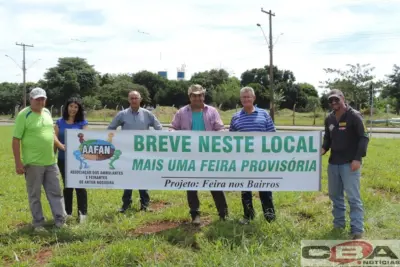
(82, 218)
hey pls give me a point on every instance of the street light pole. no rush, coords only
(271, 70)
(24, 70)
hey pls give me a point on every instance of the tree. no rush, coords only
(91, 102)
(110, 78)
(392, 88)
(324, 101)
(283, 80)
(227, 94)
(353, 82)
(153, 82)
(175, 94)
(313, 104)
(279, 97)
(72, 76)
(210, 80)
(10, 96)
(116, 93)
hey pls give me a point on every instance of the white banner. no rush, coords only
(191, 160)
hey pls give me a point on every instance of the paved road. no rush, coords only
(377, 133)
(374, 135)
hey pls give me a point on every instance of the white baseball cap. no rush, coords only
(37, 92)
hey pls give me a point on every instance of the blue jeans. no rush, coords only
(341, 179)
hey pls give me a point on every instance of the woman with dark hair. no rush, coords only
(73, 118)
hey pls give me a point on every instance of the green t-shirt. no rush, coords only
(36, 132)
(198, 121)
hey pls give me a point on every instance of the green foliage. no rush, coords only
(226, 95)
(210, 80)
(174, 94)
(392, 88)
(153, 82)
(116, 93)
(91, 102)
(354, 82)
(72, 76)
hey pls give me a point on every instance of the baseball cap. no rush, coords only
(37, 92)
(196, 89)
(335, 93)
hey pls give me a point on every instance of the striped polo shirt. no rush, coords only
(257, 121)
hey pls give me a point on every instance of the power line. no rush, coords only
(24, 70)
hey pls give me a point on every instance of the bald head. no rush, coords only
(134, 99)
(134, 93)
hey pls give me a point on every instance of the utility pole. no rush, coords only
(271, 68)
(24, 71)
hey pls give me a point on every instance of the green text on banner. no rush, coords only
(191, 160)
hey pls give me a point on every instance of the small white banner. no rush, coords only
(191, 160)
(347, 253)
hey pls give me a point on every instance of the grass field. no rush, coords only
(282, 117)
(163, 237)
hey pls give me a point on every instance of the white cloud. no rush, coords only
(201, 34)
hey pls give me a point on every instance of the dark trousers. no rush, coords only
(81, 194)
(219, 200)
(144, 198)
(266, 203)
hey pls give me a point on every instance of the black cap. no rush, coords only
(335, 93)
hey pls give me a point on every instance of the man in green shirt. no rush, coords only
(34, 136)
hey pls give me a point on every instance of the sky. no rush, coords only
(127, 36)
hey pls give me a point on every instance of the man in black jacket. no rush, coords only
(347, 137)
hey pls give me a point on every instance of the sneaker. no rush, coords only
(196, 220)
(40, 229)
(244, 221)
(82, 218)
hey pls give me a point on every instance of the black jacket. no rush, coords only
(347, 138)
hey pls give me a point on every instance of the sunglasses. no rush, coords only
(334, 100)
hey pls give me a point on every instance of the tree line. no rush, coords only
(73, 76)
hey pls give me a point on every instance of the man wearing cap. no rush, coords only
(198, 116)
(347, 138)
(34, 136)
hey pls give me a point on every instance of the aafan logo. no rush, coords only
(96, 150)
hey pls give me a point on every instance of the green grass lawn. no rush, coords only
(282, 117)
(163, 237)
